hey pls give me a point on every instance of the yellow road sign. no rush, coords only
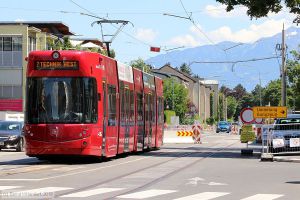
(270, 112)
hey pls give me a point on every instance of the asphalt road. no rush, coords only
(214, 169)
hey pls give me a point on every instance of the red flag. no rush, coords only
(155, 49)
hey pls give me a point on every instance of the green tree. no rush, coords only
(231, 107)
(104, 52)
(257, 93)
(247, 101)
(225, 90)
(238, 92)
(272, 93)
(66, 45)
(59, 44)
(261, 8)
(140, 64)
(176, 97)
(221, 114)
(293, 72)
(185, 68)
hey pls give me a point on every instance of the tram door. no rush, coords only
(127, 116)
(148, 134)
(140, 121)
(124, 122)
(104, 118)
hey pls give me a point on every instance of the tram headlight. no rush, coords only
(55, 55)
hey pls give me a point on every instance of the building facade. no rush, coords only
(200, 90)
(17, 39)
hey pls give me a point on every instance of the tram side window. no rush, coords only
(146, 108)
(122, 105)
(153, 102)
(139, 107)
(91, 100)
(151, 111)
(112, 105)
(160, 111)
(131, 117)
(127, 104)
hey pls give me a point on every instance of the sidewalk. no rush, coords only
(287, 158)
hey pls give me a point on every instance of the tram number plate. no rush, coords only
(1, 143)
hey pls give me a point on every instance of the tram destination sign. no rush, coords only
(270, 112)
(57, 64)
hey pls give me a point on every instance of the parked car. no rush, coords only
(223, 126)
(11, 136)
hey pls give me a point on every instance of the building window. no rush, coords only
(7, 44)
(1, 44)
(17, 43)
(31, 44)
(11, 51)
(17, 92)
(10, 92)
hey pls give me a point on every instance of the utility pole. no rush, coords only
(260, 100)
(283, 70)
(225, 108)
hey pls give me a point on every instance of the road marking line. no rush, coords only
(66, 168)
(146, 194)
(264, 197)
(8, 187)
(204, 196)
(43, 190)
(75, 173)
(215, 184)
(20, 179)
(92, 192)
(23, 169)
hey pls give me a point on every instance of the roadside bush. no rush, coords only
(210, 121)
(168, 114)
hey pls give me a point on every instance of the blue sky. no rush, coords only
(151, 27)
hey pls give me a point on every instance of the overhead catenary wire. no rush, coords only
(234, 62)
(106, 13)
(124, 32)
(91, 14)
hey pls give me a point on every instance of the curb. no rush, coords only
(281, 159)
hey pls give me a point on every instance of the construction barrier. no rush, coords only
(184, 133)
(234, 129)
(281, 138)
(197, 133)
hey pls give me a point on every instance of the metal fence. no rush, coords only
(281, 138)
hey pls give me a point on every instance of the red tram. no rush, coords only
(84, 103)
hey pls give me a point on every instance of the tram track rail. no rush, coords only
(28, 165)
(204, 155)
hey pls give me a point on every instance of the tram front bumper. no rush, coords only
(74, 147)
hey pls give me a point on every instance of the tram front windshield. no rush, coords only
(61, 100)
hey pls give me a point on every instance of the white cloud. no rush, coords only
(147, 35)
(219, 11)
(267, 27)
(19, 20)
(247, 35)
(185, 40)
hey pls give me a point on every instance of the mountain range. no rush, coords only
(266, 66)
